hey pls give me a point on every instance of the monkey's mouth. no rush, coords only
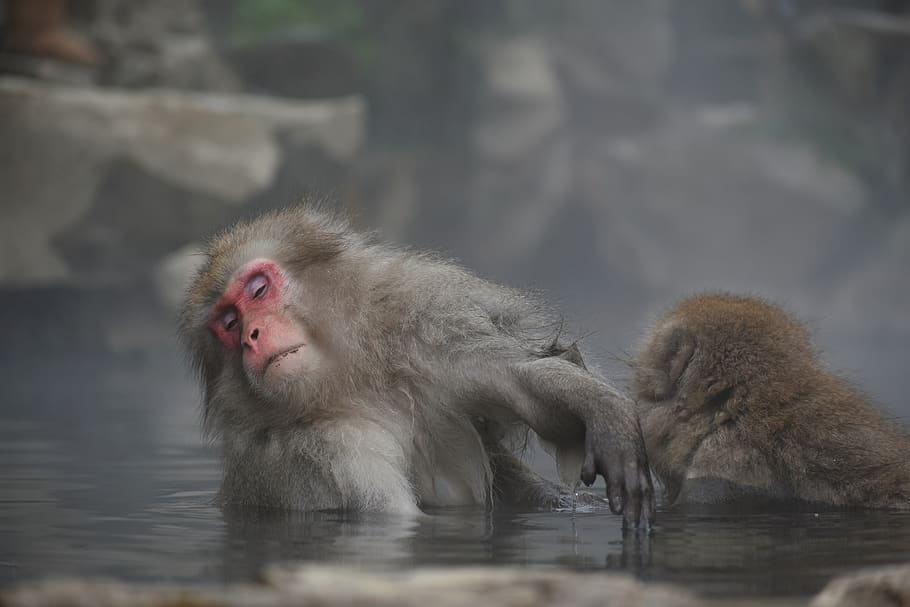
(277, 358)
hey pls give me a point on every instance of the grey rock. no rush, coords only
(520, 141)
(522, 83)
(473, 585)
(39, 199)
(326, 586)
(871, 297)
(301, 62)
(99, 184)
(162, 43)
(733, 211)
(883, 587)
(172, 275)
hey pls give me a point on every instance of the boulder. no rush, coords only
(882, 587)
(101, 184)
(327, 586)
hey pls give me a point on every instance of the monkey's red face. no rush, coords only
(254, 317)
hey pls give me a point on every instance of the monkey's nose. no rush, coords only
(251, 337)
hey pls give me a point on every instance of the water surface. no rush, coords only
(103, 473)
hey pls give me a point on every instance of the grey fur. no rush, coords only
(437, 371)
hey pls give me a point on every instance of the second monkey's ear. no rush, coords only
(670, 354)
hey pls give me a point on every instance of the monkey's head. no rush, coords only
(710, 349)
(256, 315)
(711, 362)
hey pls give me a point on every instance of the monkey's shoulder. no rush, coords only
(426, 292)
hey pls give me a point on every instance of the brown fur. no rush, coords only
(734, 402)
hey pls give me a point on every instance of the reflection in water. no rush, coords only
(278, 536)
(98, 478)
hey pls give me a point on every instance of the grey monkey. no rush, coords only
(343, 373)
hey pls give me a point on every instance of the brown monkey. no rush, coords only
(736, 407)
(342, 373)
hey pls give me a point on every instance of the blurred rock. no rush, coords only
(300, 62)
(884, 587)
(613, 61)
(841, 77)
(525, 100)
(693, 205)
(173, 274)
(158, 43)
(99, 185)
(466, 586)
(327, 586)
(719, 48)
(521, 146)
(870, 295)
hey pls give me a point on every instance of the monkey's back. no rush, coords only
(735, 391)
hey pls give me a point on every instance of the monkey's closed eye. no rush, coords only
(229, 320)
(257, 286)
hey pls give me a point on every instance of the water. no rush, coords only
(103, 473)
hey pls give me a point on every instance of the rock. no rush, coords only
(523, 86)
(96, 593)
(326, 586)
(521, 146)
(884, 587)
(696, 206)
(158, 44)
(300, 62)
(472, 585)
(100, 184)
(35, 206)
(869, 295)
(173, 274)
(613, 61)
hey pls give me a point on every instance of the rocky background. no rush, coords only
(614, 156)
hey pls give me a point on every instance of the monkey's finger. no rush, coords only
(588, 468)
(633, 489)
(631, 515)
(633, 504)
(615, 490)
(647, 502)
(647, 488)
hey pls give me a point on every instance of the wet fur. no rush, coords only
(406, 418)
(735, 405)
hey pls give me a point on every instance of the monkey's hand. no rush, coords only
(614, 449)
(554, 393)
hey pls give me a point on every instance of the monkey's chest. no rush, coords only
(267, 474)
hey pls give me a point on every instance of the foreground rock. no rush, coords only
(326, 586)
(886, 587)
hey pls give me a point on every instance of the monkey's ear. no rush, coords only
(671, 357)
(680, 351)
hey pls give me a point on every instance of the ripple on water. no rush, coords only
(124, 487)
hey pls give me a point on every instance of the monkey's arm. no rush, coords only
(545, 389)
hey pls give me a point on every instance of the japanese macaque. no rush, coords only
(342, 373)
(736, 407)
